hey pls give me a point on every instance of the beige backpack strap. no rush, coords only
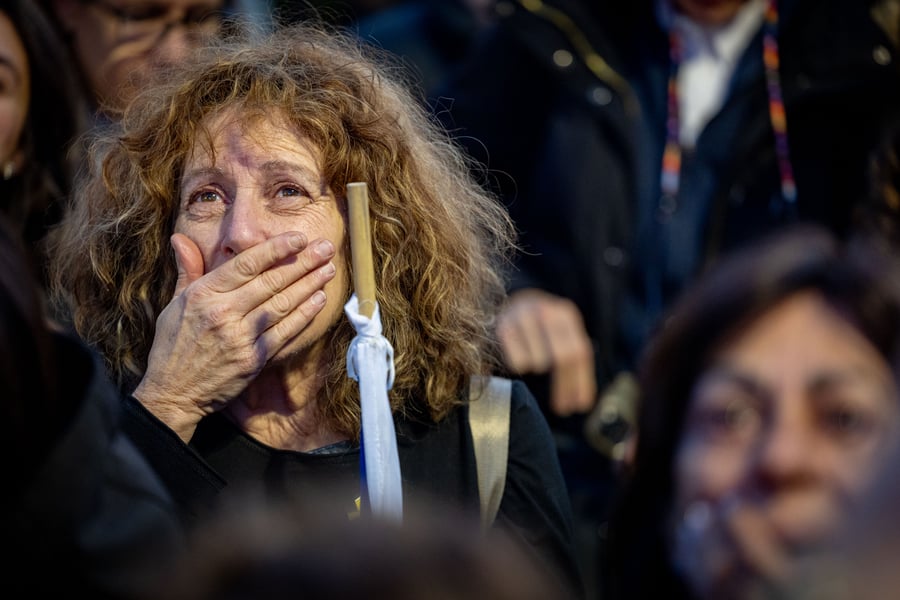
(489, 422)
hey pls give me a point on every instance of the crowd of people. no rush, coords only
(669, 230)
(635, 144)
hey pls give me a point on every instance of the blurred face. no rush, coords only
(119, 42)
(783, 434)
(709, 12)
(15, 93)
(264, 180)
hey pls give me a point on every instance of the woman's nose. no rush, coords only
(246, 224)
(785, 450)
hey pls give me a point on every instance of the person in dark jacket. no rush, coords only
(216, 222)
(81, 500)
(766, 115)
(84, 513)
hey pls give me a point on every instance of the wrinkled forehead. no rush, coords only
(241, 126)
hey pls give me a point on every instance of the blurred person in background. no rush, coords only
(83, 512)
(41, 115)
(637, 143)
(769, 406)
(118, 44)
(252, 551)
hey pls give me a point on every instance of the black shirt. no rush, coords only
(437, 464)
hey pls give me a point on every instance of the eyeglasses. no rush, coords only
(151, 22)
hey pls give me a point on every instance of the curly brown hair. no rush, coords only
(440, 242)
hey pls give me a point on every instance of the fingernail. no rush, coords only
(328, 269)
(324, 248)
(318, 298)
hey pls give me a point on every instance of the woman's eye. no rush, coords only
(725, 418)
(289, 190)
(205, 196)
(291, 197)
(729, 416)
(847, 421)
(206, 203)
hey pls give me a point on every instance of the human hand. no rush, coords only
(221, 327)
(543, 333)
(729, 549)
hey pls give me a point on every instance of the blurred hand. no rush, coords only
(729, 549)
(542, 333)
(221, 328)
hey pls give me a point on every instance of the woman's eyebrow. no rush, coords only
(271, 166)
(284, 165)
(724, 373)
(847, 376)
(202, 172)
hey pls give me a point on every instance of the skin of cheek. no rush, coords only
(852, 470)
(703, 472)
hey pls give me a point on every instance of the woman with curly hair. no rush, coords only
(207, 259)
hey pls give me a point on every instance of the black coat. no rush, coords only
(576, 152)
(93, 520)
